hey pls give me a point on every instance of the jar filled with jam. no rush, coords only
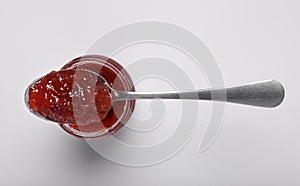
(80, 102)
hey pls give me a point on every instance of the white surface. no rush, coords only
(252, 40)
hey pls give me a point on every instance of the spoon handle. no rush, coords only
(268, 93)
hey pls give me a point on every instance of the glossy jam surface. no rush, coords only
(60, 96)
(72, 103)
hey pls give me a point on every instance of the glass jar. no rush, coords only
(119, 79)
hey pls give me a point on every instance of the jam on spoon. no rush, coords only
(58, 95)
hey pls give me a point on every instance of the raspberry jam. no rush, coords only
(56, 98)
(79, 101)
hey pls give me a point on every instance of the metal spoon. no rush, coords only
(269, 93)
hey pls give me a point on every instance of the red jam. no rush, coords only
(57, 96)
(79, 100)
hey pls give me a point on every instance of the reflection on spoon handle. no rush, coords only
(268, 93)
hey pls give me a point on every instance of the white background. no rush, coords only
(252, 40)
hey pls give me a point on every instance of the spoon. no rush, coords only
(269, 93)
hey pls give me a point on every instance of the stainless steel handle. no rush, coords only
(268, 93)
